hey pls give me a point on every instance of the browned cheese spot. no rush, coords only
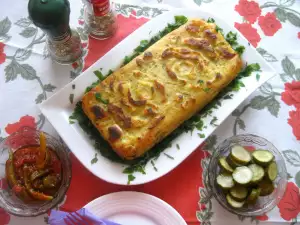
(226, 54)
(192, 28)
(98, 112)
(210, 34)
(199, 43)
(171, 74)
(114, 132)
(139, 62)
(156, 121)
(147, 55)
(136, 102)
(118, 112)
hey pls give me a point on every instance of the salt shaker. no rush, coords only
(63, 43)
(100, 18)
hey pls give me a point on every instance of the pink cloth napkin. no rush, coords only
(57, 218)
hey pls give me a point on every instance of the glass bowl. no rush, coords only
(25, 137)
(264, 204)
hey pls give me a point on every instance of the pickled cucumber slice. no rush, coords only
(232, 162)
(253, 196)
(240, 155)
(266, 187)
(225, 181)
(262, 157)
(233, 203)
(258, 173)
(272, 171)
(224, 165)
(242, 175)
(238, 192)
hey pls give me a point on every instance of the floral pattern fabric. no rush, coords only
(28, 77)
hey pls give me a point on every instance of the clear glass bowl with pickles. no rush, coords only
(247, 175)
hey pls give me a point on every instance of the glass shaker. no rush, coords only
(100, 18)
(63, 43)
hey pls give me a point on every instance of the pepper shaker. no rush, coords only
(63, 43)
(100, 18)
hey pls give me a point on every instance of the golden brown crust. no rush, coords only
(164, 86)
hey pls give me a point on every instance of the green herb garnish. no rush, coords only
(201, 135)
(71, 98)
(210, 20)
(213, 121)
(177, 146)
(257, 77)
(100, 99)
(239, 49)
(130, 178)
(95, 159)
(200, 81)
(99, 75)
(154, 167)
(170, 157)
(206, 90)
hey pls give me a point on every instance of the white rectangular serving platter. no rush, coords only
(58, 108)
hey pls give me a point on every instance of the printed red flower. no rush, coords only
(81, 22)
(249, 10)
(4, 217)
(269, 24)
(263, 217)
(25, 121)
(294, 121)
(249, 32)
(289, 205)
(75, 65)
(2, 54)
(299, 35)
(291, 94)
(249, 148)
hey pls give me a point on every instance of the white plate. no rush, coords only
(135, 208)
(57, 109)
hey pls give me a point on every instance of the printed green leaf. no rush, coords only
(297, 73)
(293, 18)
(280, 14)
(267, 56)
(288, 66)
(5, 25)
(39, 98)
(210, 142)
(236, 112)
(292, 157)
(27, 72)
(260, 102)
(23, 22)
(286, 3)
(241, 124)
(29, 32)
(297, 179)
(11, 71)
(49, 87)
(22, 54)
(198, 2)
(285, 77)
(266, 89)
(73, 75)
(95, 159)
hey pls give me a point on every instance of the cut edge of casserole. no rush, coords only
(144, 101)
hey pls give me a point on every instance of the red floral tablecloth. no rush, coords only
(28, 77)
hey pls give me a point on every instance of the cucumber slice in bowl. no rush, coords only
(242, 175)
(225, 181)
(272, 171)
(258, 173)
(262, 157)
(232, 162)
(238, 193)
(266, 186)
(224, 165)
(233, 203)
(253, 196)
(240, 155)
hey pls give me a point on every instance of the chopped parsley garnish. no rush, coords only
(213, 121)
(239, 49)
(170, 157)
(100, 99)
(130, 178)
(200, 81)
(71, 98)
(210, 20)
(218, 29)
(201, 135)
(95, 159)
(231, 38)
(246, 72)
(206, 90)
(257, 77)
(177, 146)
(154, 167)
(71, 121)
(99, 75)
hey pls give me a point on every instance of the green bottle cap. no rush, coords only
(52, 16)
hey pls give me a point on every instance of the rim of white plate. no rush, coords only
(139, 202)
